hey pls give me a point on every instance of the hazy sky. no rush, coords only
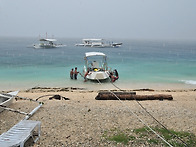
(134, 19)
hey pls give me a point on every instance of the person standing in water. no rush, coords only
(75, 73)
(72, 73)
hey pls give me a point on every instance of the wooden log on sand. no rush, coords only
(130, 96)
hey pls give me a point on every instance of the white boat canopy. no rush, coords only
(88, 54)
(92, 39)
(51, 40)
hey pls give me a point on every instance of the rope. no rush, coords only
(44, 96)
(81, 75)
(24, 98)
(13, 110)
(139, 118)
(154, 117)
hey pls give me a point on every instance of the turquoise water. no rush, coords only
(140, 63)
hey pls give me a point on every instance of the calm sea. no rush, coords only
(140, 63)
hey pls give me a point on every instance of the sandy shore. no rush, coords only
(82, 120)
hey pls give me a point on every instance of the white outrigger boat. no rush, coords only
(96, 64)
(47, 44)
(97, 43)
(7, 99)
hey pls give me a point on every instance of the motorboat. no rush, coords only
(7, 99)
(47, 44)
(96, 66)
(102, 43)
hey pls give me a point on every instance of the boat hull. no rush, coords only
(100, 46)
(98, 43)
(48, 46)
(98, 75)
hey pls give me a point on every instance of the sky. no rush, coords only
(126, 19)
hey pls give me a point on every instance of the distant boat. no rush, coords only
(102, 43)
(96, 63)
(47, 44)
(7, 99)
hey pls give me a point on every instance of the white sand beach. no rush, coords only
(82, 120)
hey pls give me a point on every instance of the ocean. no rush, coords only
(140, 63)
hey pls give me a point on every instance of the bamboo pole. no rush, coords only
(13, 110)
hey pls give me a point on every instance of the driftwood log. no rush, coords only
(130, 96)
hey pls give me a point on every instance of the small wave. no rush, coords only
(192, 82)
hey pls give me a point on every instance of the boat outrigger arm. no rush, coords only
(28, 115)
(34, 110)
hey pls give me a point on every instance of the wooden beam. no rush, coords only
(130, 96)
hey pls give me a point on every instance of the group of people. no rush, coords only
(74, 73)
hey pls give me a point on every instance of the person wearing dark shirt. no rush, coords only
(75, 73)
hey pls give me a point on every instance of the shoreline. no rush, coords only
(82, 120)
(72, 89)
(97, 86)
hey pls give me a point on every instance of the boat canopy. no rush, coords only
(50, 40)
(92, 39)
(88, 54)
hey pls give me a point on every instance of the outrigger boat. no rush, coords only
(97, 43)
(7, 99)
(47, 44)
(96, 64)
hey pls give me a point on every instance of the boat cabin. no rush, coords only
(96, 61)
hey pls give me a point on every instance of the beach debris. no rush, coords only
(65, 98)
(52, 89)
(58, 97)
(144, 89)
(68, 136)
(130, 96)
